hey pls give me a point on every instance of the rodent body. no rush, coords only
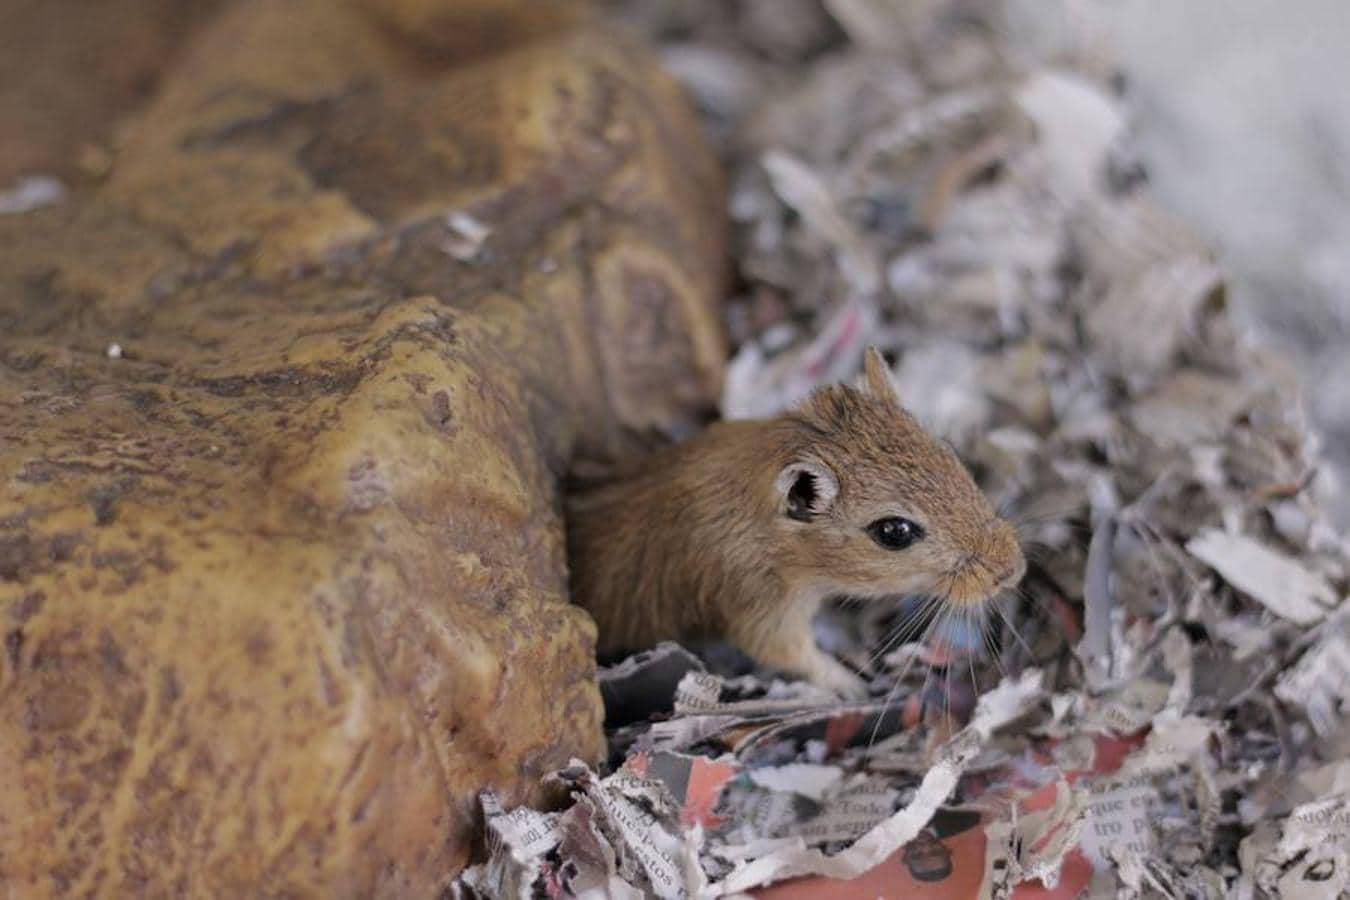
(742, 531)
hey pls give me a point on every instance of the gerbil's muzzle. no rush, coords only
(997, 566)
(1005, 558)
(1009, 576)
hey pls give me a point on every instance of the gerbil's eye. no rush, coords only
(895, 533)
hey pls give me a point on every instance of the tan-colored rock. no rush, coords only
(282, 581)
(69, 69)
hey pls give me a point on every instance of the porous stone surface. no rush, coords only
(282, 582)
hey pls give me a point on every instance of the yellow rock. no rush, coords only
(282, 583)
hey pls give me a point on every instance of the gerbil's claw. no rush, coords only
(840, 679)
(790, 647)
(822, 669)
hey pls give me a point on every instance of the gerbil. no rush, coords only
(742, 531)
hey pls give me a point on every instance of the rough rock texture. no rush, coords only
(70, 68)
(283, 586)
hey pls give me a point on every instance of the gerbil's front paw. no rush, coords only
(824, 670)
(839, 678)
(795, 651)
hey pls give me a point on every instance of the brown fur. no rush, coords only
(698, 544)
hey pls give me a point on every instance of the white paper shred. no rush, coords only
(1320, 681)
(467, 236)
(1279, 582)
(32, 192)
(802, 189)
(1311, 858)
(996, 709)
(1078, 125)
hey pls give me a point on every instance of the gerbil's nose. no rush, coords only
(1009, 554)
(1012, 572)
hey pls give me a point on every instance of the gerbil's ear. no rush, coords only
(877, 377)
(806, 490)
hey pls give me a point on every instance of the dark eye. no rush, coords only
(895, 533)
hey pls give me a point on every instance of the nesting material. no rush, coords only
(1158, 710)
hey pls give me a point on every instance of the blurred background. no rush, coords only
(1239, 112)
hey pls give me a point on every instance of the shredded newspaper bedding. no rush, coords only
(1157, 711)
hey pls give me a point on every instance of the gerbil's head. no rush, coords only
(870, 505)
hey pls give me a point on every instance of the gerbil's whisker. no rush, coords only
(995, 651)
(903, 630)
(926, 617)
(897, 684)
(936, 604)
(972, 615)
(1030, 517)
(998, 649)
(1037, 551)
(1031, 657)
(1035, 600)
(947, 687)
(950, 612)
